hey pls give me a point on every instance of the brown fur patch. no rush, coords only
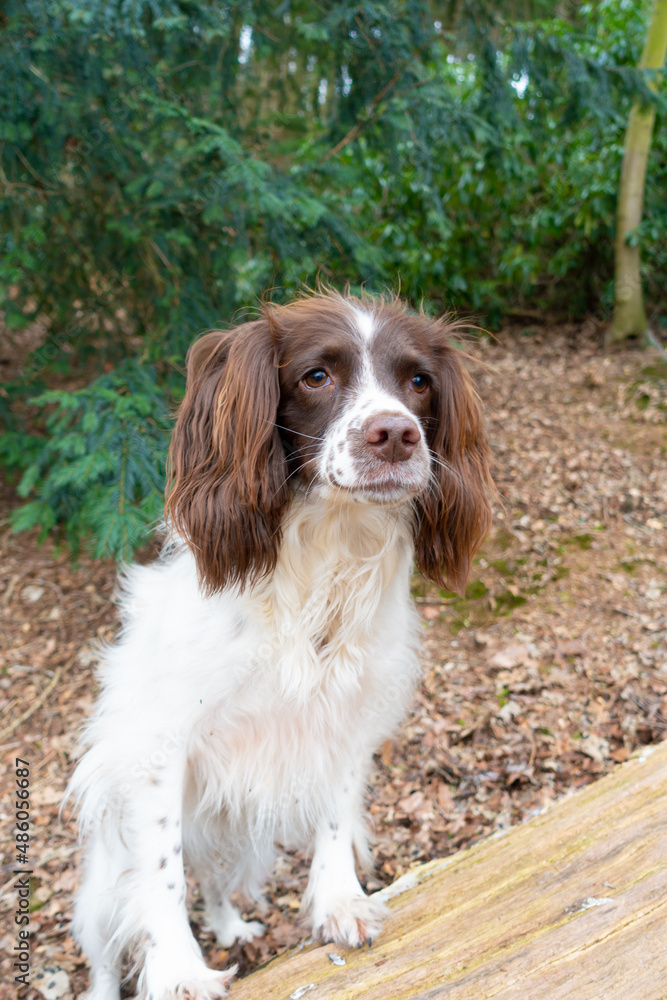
(227, 468)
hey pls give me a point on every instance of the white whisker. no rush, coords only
(290, 430)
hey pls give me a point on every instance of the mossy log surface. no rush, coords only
(572, 904)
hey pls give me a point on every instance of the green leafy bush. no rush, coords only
(99, 471)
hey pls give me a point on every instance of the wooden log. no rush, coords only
(572, 904)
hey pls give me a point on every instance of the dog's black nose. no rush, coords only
(392, 438)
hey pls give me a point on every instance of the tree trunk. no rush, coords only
(629, 314)
(572, 904)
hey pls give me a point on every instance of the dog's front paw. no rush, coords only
(351, 922)
(160, 982)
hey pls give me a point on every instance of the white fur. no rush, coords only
(364, 323)
(232, 722)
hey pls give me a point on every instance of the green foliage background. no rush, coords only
(164, 162)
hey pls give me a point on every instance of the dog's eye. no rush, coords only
(419, 383)
(317, 379)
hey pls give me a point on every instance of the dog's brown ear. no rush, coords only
(227, 474)
(455, 514)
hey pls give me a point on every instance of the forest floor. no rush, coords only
(548, 674)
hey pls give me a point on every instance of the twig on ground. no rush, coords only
(8, 730)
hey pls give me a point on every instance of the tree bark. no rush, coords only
(629, 319)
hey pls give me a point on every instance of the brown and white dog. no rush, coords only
(319, 451)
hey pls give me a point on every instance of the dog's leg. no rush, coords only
(245, 863)
(173, 964)
(339, 909)
(96, 916)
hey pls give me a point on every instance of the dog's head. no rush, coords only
(358, 400)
